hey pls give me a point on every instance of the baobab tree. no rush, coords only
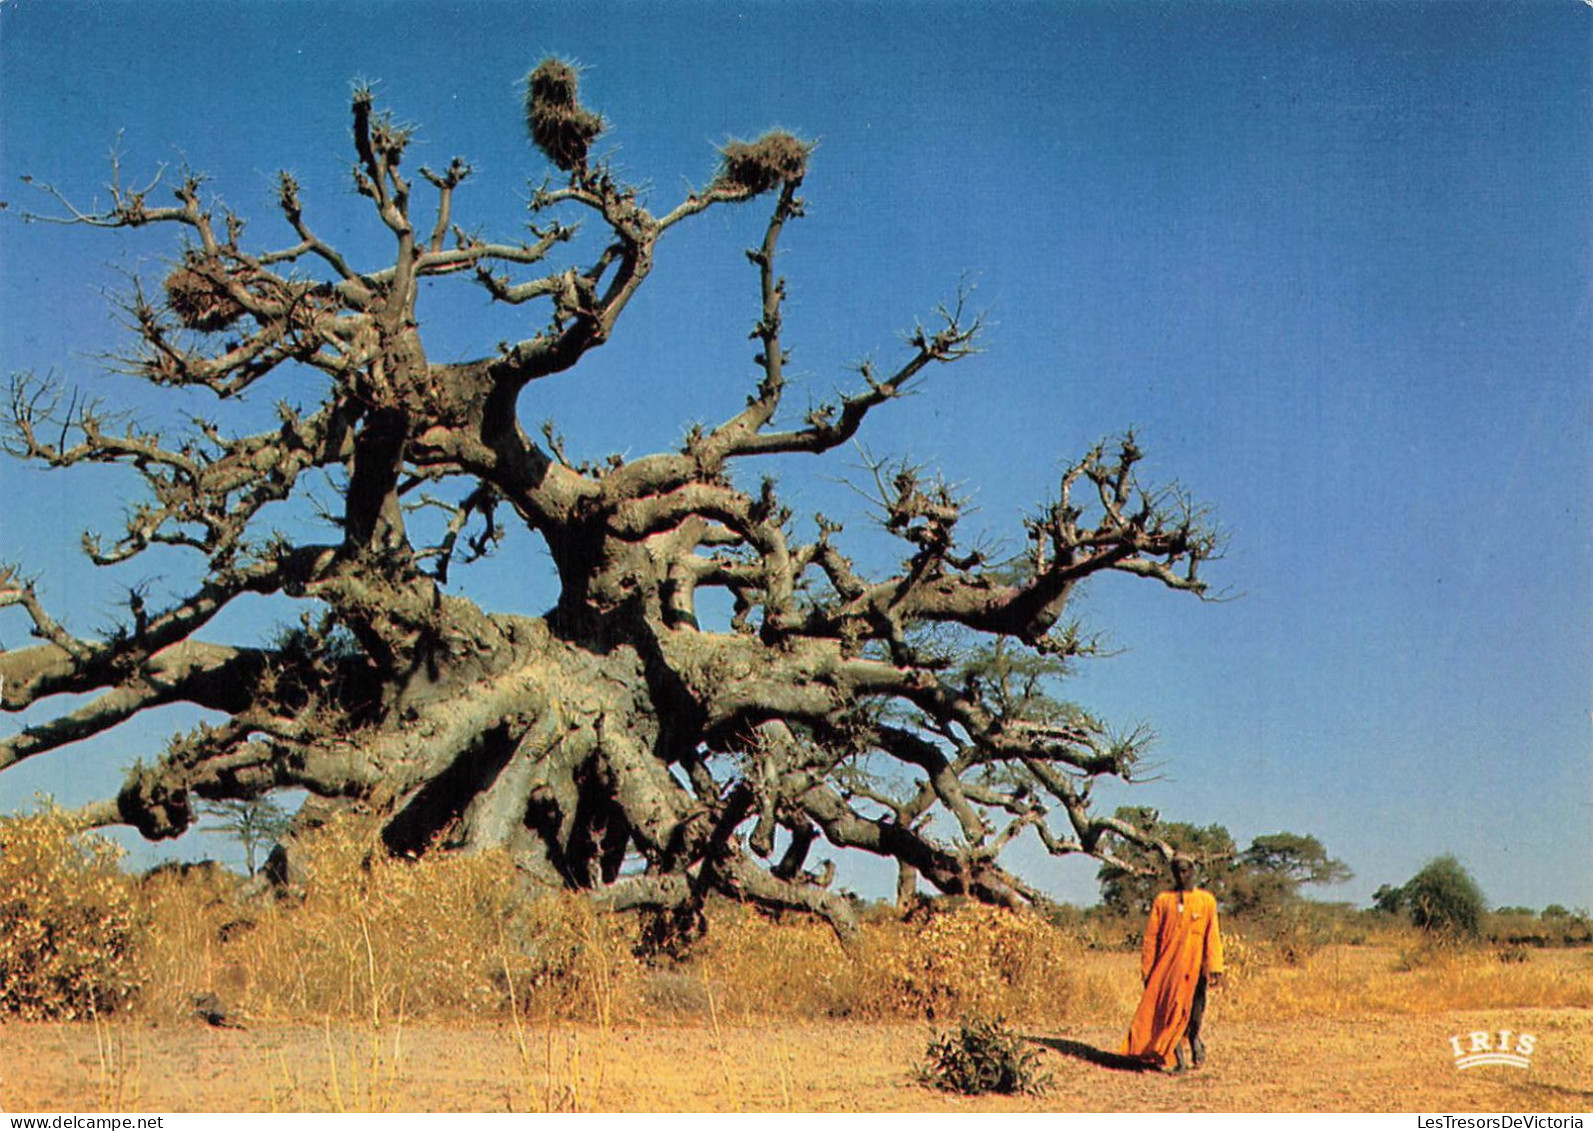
(620, 743)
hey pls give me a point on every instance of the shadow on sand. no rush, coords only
(1078, 1050)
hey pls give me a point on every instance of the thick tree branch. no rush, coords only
(208, 675)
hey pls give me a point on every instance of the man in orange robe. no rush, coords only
(1183, 949)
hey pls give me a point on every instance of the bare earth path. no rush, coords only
(1382, 1063)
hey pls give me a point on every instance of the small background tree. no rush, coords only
(1389, 899)
(1129, 887)
(255, 823)
(1264, 879)
(1444, 898)
(1271, 872)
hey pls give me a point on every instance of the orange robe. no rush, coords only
(1180, 946)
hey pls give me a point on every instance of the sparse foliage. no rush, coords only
(620, 744)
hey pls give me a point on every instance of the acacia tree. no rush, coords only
(1264, 879)
(1274, 868)
(615, 744)
(255, 824)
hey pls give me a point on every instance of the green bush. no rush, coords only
(982, 1056)
(1443, 898)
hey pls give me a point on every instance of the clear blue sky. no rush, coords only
(1332, 260)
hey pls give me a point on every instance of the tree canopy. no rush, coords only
(1443, 898)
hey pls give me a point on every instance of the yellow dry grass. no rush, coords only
(1419, 978)
(378, 941)
(393, 984)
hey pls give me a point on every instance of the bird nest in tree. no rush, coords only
(197, 294)
(755, 167)
(561, 127)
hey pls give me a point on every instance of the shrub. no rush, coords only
(1444, 899)
(753, 964)
(67, 920)
(972, 959)
(982, 1056)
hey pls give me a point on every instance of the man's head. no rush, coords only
(1183, 873)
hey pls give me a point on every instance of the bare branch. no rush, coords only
(16, 590)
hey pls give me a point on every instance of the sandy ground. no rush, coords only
(1374, 1064)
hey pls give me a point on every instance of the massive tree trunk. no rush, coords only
(618, 744)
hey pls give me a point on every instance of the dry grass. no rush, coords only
(376, 943)
(965, 961)
(1418, 978)
(394, 985)
(449, 939)
(377, 939)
